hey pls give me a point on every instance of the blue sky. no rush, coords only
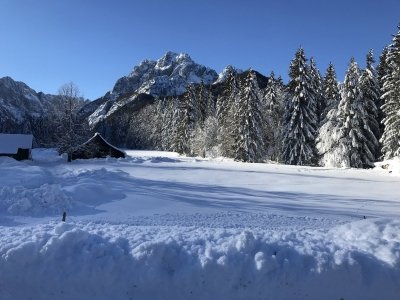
(46, 43)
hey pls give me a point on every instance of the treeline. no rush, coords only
(313, 120)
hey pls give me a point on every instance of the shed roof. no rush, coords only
(9, 143)
(98, 147)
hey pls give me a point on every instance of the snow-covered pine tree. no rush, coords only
(371, 100)
(225, 113)
(382, 71)
(326, 145)
(203, 99)
(316, 82)
(382, 68)
(249, 133)
(391, 96)
(300, 120)
(188, 115)
(181, 139)
(350, 145)
(330, 91)
(204, 137)
(273, 108)
(167, 109)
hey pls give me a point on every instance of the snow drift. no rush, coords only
(359, 260)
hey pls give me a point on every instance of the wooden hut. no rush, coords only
(17, 146)
(97, 147)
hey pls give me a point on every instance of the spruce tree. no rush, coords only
(330, 91)
(300, 120)
(316, 86)
(249, 142)
(326, 144)
(203, 99)
(371, 100)
(391, 97)
(351, 147)
(225, 113)
(382, 71)
(273, 107)
(383, 68)
(187, 114)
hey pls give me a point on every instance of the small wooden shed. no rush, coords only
(97, 147)
(17, 146)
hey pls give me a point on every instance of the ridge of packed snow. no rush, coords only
(86, 260)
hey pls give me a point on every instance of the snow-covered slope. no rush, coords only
(168, 76)
(157, 225)
(18, 101)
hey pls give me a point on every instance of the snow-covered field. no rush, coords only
(157, 225)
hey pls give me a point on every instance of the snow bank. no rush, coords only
(47, 155)
(47, 199)
(391, 165)
(359, 260)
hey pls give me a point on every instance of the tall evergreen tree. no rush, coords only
(330, 91)
(300, 120)
(168, 109)
(391, 97)
(249, 142)
(273, 107)
(371, 100)
(348, 143)
(326, 144)
(382, 67)
(225, 113)
(188, 114)
(204, 100)
(316, 86)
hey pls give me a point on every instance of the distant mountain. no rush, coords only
(19, 103)
(23, 110)
(168, 76)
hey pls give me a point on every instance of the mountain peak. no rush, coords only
(228, 69)
(171, 58)
(168, 76)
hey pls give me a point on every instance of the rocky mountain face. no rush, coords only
(19, 104)
(23, 110)
(168, 76)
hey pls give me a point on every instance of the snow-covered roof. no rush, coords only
(9, 143)
(104, 140)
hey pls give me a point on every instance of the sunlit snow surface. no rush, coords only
(157, 225)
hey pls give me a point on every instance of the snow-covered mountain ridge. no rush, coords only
(168, 76)
(19, 103)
